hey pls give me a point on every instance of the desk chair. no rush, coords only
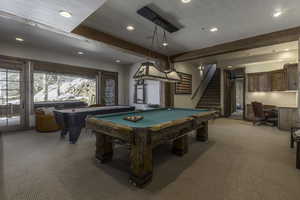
(264, 116)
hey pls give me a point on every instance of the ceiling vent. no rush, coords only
(151, 15)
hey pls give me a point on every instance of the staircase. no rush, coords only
(211, 96)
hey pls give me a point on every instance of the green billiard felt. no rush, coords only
(151, 117)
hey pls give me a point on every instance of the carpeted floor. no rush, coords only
(239, 162)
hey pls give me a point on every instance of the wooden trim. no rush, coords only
(64, 69)
(273, 38)
(12, 60)
(116, 42)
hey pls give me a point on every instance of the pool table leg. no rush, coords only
(74, 133)
(141, 160)
(180, 146)
(202, 133)
(63, 132)
(104, 147)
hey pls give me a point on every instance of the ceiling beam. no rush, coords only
(273, 38)
(94, 34)
(280, 57)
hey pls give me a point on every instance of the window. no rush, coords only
(61, 87)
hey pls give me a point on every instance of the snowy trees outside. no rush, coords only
(59, 87)
(47, 87)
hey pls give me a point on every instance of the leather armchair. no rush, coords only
(45, 122)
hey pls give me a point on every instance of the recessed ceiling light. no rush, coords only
(214, 29)
(278, 13)
(130, 28)
(65, 14)
(19, 39)
(80, 53)
(165, 44)
(185, 1)
(229, 67)
(118, 61)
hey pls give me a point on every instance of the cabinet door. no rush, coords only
(278, 80)
(264, 82)
(250, 114)
(291, 76)
(287, 118)
(252, 82)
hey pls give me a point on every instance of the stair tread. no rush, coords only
(211, 97)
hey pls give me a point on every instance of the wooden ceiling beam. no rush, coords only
(94, 34)
(273, 38)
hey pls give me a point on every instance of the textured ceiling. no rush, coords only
(47, 11)
(65, 44)
(236, 19)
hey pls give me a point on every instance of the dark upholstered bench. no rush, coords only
(295, 137)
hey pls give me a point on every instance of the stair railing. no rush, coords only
(204, 83)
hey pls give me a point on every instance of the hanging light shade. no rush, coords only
(173, 76)
(148, 71)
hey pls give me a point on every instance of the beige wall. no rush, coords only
(288, 99)
(185, 101)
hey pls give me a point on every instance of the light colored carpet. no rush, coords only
(239, 162)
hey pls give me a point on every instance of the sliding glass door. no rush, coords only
(11, 97)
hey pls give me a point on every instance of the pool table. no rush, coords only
(73, 120)
(157, 126)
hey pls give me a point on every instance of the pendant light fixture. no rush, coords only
(149, 71)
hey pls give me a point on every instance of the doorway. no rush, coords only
(234, 91)
(12, 108)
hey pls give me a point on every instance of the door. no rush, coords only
(227, 92)
(232, 96)
(109, 88)
(12, 110)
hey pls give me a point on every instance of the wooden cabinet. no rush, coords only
(291, 72)
(264, 82)
(249, 112)
(259, 82)
(278, 80)
(252, 82)
(287, 117)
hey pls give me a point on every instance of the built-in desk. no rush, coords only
(287, 115)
